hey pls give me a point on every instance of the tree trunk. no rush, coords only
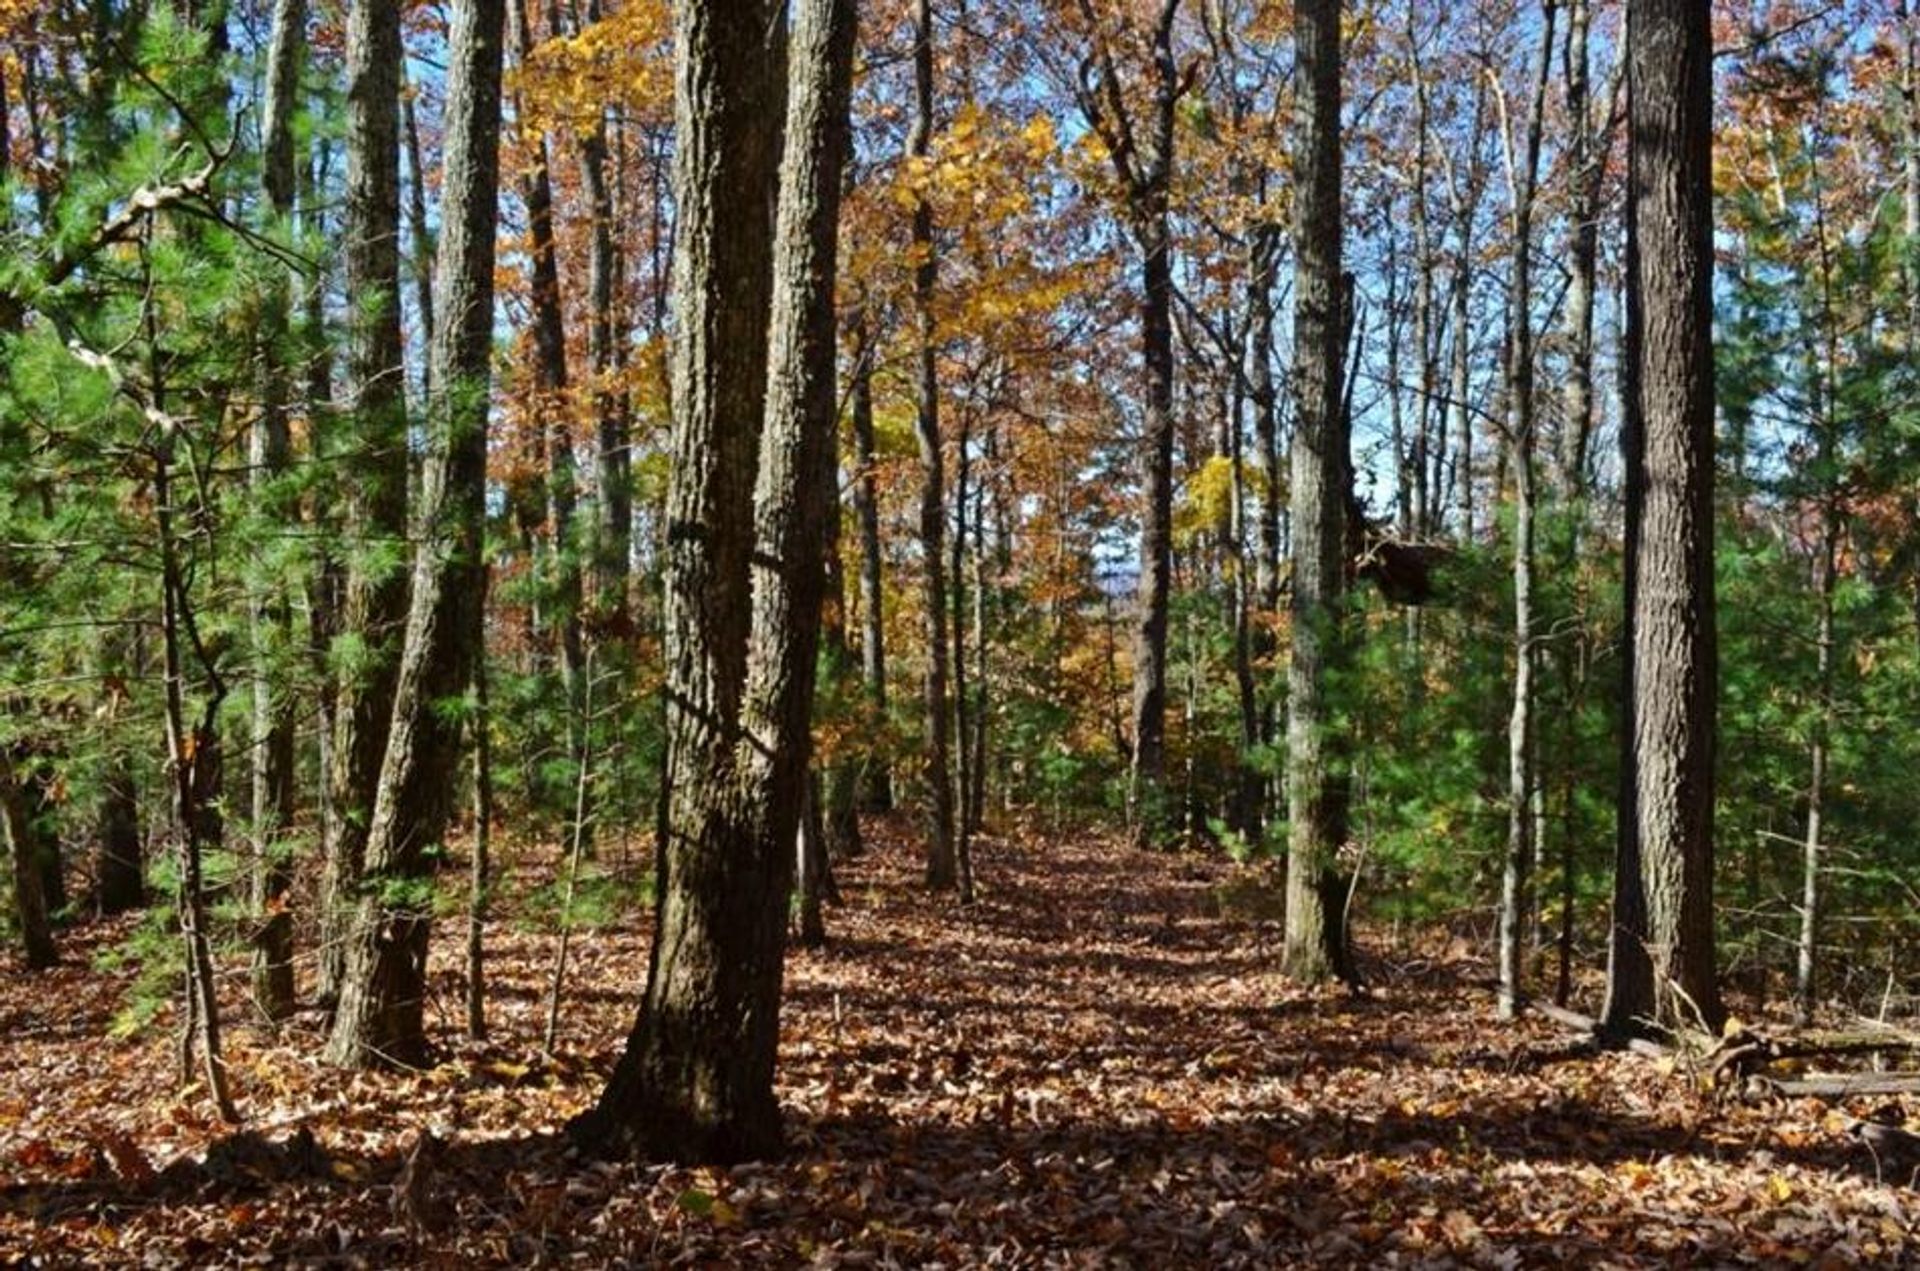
(613, 491)
(373, 466)
(1667, 802)
(23, 849)
(118, 865)
(272, 614)
(878, 793)
(1316, 796)
(1516, 874)
(421, 233)
(942, 861)
(480, 876)
(839, 781)
(748, 497)
(383, 989)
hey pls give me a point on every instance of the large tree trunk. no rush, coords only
(942, 859)
(272, 615)
(1667, 795)
(748, 502)
(373, 465)
(1316, 792)
(383, 990)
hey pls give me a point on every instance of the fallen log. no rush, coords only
(1591, 1027)
(1845, 1085)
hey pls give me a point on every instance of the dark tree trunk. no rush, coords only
(1316, 792)
(1667, 797)
(1588, 169)
(118, 864)
(942, 859)
(383, 988)
(551, 381)
(613, 491)
(1263, 264)
(1143, 161)
(30, 909)
(753, 427)
(373, 463)
(270, 452)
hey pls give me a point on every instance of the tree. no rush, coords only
(269, 455)
(1523, 171)
(23, 851)
(373, 463)
(1141, 152)
(1316, 941)
(753, 425)
(383, 988)
(1662, 947)
(942, 856)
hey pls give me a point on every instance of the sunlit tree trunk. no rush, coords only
(270, 452)
(1663, 966)
(1316, 793)
(753, 427)
(942, 854)
(372, 463)
(383, 987)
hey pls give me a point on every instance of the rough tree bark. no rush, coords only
(373, 467)
(1662, 968)
(383, 988)
(1315, 942)
(270, 452)
(747, 500)
(942, 857)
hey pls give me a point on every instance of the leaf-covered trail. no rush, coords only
(1090, 1067)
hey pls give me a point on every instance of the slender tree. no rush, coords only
(942, 855)
(1141, 150)
(866, 508)
(1523, 170)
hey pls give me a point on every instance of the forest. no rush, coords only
(959, 632)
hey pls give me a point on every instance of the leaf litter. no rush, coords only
(1096, 1065)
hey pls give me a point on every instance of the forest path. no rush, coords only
(1091, 1066)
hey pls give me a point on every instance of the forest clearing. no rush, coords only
(1091, 1066)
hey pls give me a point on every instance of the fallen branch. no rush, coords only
(1591, 1026)
(1846, 1085)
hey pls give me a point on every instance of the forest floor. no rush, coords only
(1093, 1066)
